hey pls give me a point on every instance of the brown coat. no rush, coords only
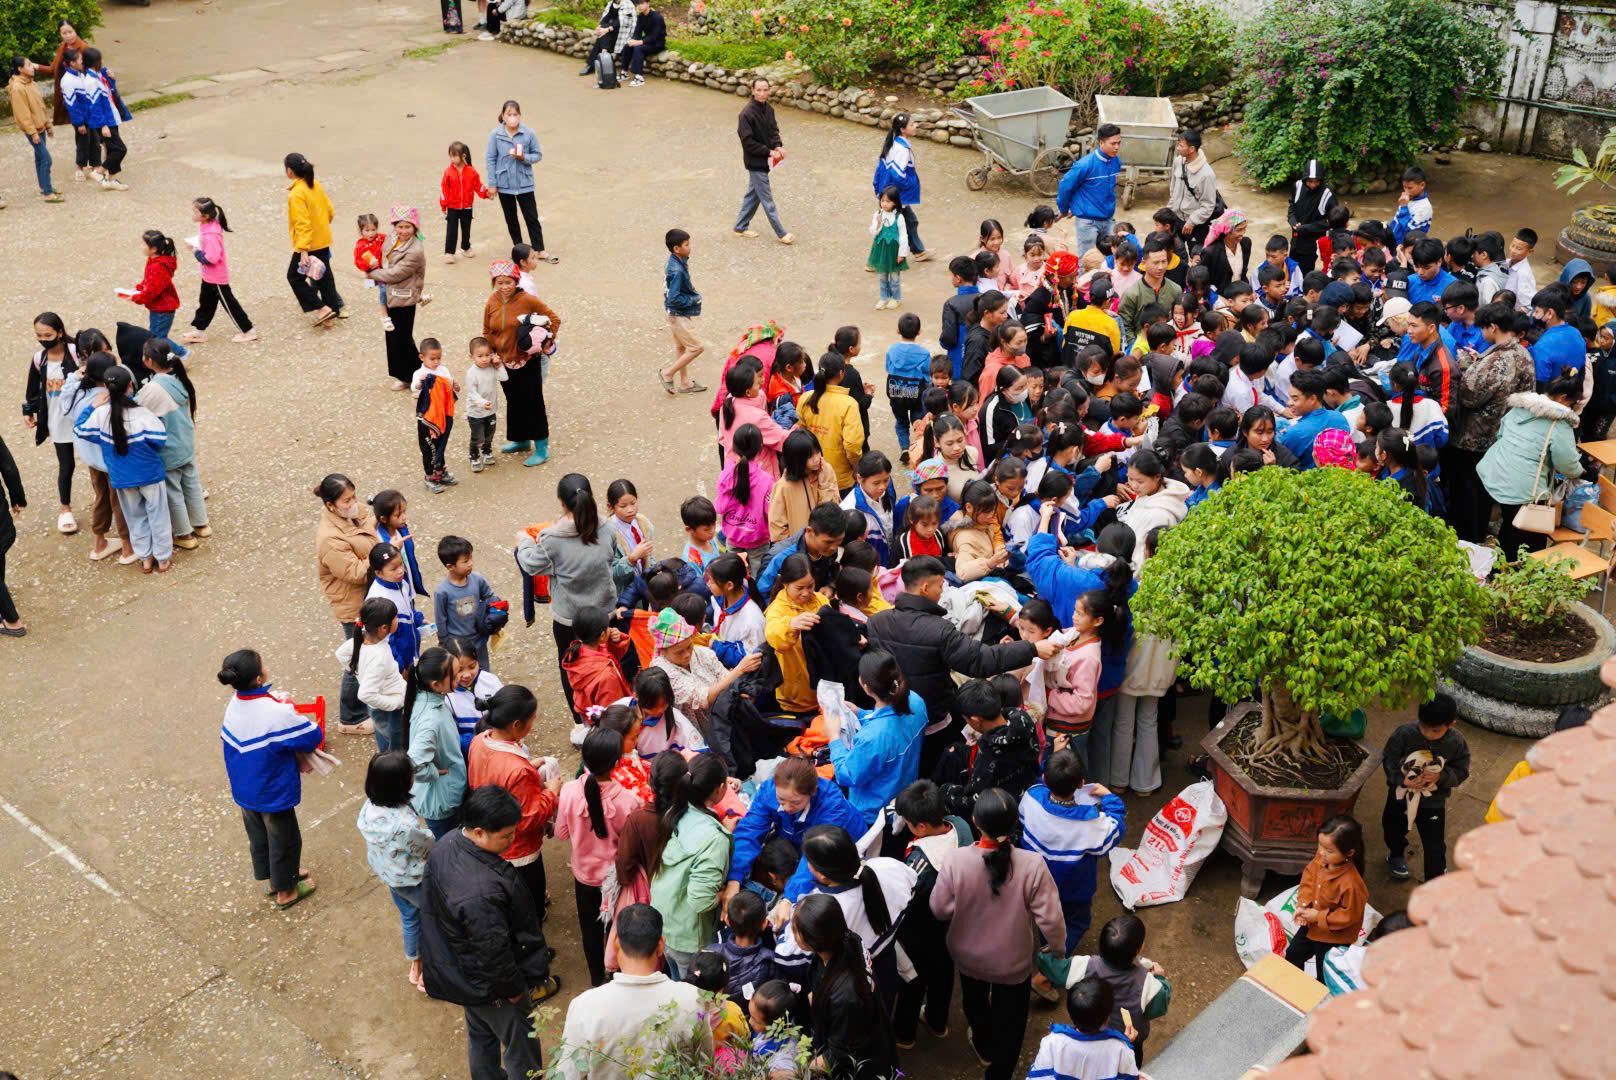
(403, 271)
(791, 501)
(342, 556)
(27, 106)
(1340, 895)
(499, 320)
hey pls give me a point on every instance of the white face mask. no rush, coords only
(1015, 397)
(1095, 380)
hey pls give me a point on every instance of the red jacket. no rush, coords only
(156, 288)
(461, 184)
(595, 675)
(492, 761)
(367, 251)
(1104, 442)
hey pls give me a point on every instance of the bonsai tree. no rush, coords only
(1325, 588)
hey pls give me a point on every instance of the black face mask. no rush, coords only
(50, 343)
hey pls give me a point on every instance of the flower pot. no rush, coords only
(1522, 697)
(1275, 828)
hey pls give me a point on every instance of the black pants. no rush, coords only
(87, 148)
(114, 151)
(605, 43)
(482, 435)
(8, 536)
(1430, 820)
(636, 59)
(313, 296)
(1469, 505)
(915, 246)
(461, 220)
(276, 844)
(351, 710)
(590, 931)
(432, 446)
(933, 986)
(493, 18)
(530, 213)
(564, 637)
(1303, 948)
(532, 874)
(1511, 539)
(403, 357)
(1305, 250)
(997, 1014)
(208, 301)
(501, 1029)
(64, 472)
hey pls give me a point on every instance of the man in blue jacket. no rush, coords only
(1307, 400)
(788, 806)
(1561, 345)
(1088, 191)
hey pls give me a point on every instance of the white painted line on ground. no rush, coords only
(60, 849)
(335, 810)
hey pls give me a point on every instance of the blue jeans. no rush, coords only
(389, 731)
(186, 510)
(1088, 231)
(151, 533)
(441, 825)
(1079, 914)
(407, 898)
(890, 289)
(42, 164)
(160, 323)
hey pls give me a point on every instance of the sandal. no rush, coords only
(693, 388)
(302, 875)
(304, 890)
(552, 259)
(667, 383)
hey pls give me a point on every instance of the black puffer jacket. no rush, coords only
(480, 934)
(927, 647)
(1006, 757)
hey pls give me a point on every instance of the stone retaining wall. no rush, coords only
(794, 87)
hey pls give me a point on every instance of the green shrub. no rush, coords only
(1532, 593)
(1359, 84)
(1106, 46)
(558, 17)
(734, 55)
(29, 26)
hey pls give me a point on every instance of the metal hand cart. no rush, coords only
(1023, 133)
(1149, 137)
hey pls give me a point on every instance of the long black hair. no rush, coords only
(745, 445)
(942, 425)
(795, 453)
(737, 381)
(704, 776)
(992, 300)
(668, 772)
(1406, 383)
(821, 927)
(434, 666)
(301, 167)
(118, 382)
(158, 242)
(832, 369)
(211, 211)
(879, 671)
(830, 850)
(579, 498)
(794, 567)
(602, 750)
(899, 122)
(374, 614)
(996, 817)
(169, 363)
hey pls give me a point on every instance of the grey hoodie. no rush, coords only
(580, 573)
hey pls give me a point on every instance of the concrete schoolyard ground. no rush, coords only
(136, 942)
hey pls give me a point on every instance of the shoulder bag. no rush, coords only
(1534, 516)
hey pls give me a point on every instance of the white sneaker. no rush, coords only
(638, 81)
(78, 174)
(880, 305)
(109, 184)
(426, 298)
(485, 36)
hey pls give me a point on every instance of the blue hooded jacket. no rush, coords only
(828, 807)
(1578, 307)
(1089, 188)
(1061, 585)
(1559, 347)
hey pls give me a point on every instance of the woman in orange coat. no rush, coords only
(527, 424)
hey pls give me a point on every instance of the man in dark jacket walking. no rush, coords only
(760, 151)
(1310, 205)
(481, 944)
(928, 647)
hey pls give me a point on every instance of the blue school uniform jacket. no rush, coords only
(262, 736)
(141, 463)
(1069, 1054)
(1089, 188)
(766, 819)
(1061, 585)
(1071, 839)
(884, 758)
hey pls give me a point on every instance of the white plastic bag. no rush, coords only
(1268, 928)
(833, 702)
(1175, 844)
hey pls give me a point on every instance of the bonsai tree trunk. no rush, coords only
(1287, 730)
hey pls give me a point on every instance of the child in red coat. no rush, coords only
(367, 256)
(156, 292)
(461, 185)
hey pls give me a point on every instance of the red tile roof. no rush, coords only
(1510, 969)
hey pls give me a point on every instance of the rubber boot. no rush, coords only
(541, 453)
(515, 447)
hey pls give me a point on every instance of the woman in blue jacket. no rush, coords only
(883, 757)
(896, 168)
(512, 150)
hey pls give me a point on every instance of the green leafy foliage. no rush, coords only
(562, 17)
(28, 27)
(668, 1048)
(1359, 84)
(1581, 172)
(1532, 593)
(733, 55)
(1325, 583)
(1109, 46)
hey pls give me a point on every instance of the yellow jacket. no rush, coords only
(837, 426)
(796, 692)
(1096, 320)
(27, 106)
(308, 216)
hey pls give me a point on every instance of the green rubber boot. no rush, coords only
(515, 447)
(541, 453)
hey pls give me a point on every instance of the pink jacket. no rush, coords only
(1072, 679)
(753, 410)
(745, 524)
(593, 855)
(212, 238)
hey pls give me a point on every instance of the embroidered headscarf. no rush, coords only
(400, 212)
(503, 268)
(1225, 224)
(933, 468)
(1332, 446)
(668, 630)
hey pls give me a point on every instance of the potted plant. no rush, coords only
(1319, 593)
(1592, 232)
(1540, 650)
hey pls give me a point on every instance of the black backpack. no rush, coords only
(606, 71)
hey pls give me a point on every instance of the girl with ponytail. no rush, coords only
(884, 757)
(990, 893)
(172, 399)
(368, 656)
(831, 413)
(211, 225)
(639, 847)
(434, 741)
(473, 686)
(576, 552)
(744, 487)
(389, 580)
(1412, 411)
(852, 1035)
(693, 863)
(499, 755)
(736, 617)
(896, 168)
(744, 404)
(131, 442)
(156, 292)
(591, 814)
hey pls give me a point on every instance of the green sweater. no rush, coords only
(688, 880)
